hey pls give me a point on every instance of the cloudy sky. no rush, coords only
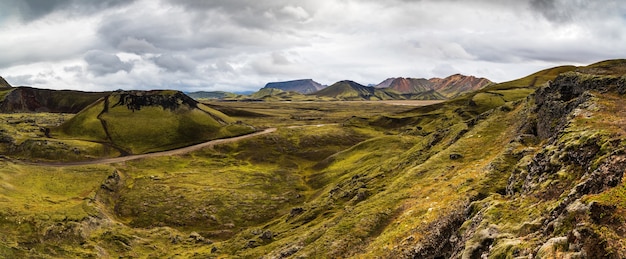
(239, 45)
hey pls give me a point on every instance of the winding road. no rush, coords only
(157, 154)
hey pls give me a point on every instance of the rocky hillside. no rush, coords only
(28, 99)
(303, 86)
(146, 121)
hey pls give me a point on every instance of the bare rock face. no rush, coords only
(556, 101)
(134, 100)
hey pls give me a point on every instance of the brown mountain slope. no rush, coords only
(456, 84)
(449, 87)
(410, 85)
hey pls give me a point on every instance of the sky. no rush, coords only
(240, 45)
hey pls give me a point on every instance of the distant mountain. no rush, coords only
(448, 87)
(137, 122)
(28, 99)
(4, 83)
(409, 85)
(386, 83)
(457, 84)
(304, 86)
(352, 91)
(211, 95)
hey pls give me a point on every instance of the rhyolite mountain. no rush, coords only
(137, 122)
(29, 99)
(457, 84)
(406, 85)
(449, 87)
(303, 86)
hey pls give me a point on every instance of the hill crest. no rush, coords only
(136, 122)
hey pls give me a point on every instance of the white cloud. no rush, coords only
(101, 63)
(242, 44)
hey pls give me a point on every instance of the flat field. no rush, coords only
(276, 114)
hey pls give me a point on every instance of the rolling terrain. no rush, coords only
(531, 168)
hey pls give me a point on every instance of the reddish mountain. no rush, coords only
(410, 85)
(457, 84)
(449, 87)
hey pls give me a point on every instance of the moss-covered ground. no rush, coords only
(340, 180)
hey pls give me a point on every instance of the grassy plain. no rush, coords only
(216, 192)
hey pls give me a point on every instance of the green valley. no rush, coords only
(531, 168)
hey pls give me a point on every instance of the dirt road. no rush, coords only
(157, 154)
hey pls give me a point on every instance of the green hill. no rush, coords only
(141, 122)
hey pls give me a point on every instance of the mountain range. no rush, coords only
(398, 88)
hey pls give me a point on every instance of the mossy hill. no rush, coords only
(28, 99)
(148, 121)
(531, 168)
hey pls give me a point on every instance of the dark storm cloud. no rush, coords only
(101, 63)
